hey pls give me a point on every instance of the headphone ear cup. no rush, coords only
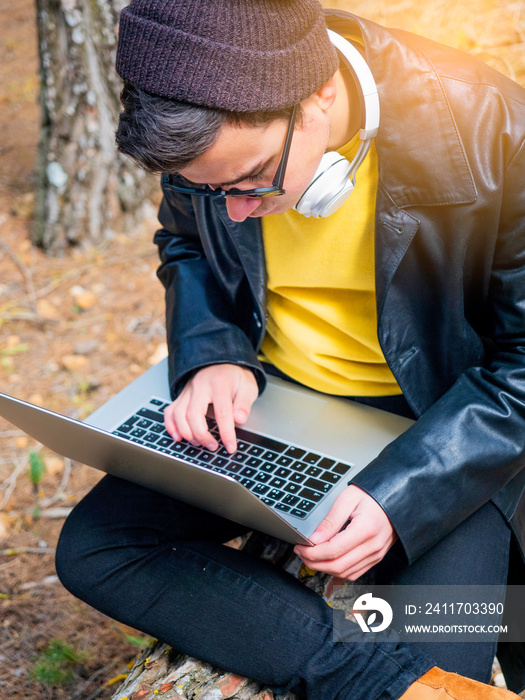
(330, 187)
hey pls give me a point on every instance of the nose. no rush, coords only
(239, 208)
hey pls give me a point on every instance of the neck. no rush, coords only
(345, 111)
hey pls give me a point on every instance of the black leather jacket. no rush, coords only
(450, 282)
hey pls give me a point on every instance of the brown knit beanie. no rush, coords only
(238, 55)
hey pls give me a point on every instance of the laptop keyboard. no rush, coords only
(288, 478)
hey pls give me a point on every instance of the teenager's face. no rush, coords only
(246, 157)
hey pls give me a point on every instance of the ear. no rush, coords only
(324, 97)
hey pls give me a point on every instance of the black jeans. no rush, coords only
(158, 565)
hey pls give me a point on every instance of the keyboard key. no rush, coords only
(270, 456)
(256, 451)
(326, 463)
(247, 482)
(299, 466)
(311, 458)
(298, 513)
(143, 423)
(314, 496)
(128, 424)
(239, 457)
(284, 461)
(220, 461)
(206, 456)
(242, 446)
(260, 489)
(313, 471)
(341, 468)
(137, 440)
(156, 402)
(192, 451)
(276, 494)
(138, 432)
(318, 485)
(151, 437)
(282, 472)
(253, 462)
(165, 442)
(248, 471)
(261, 440)
(290, 500)
(306, 505)
(157, 428)
(267, 467)
(330, 477)
(176, 447)
(263, 477)
(292, 488)
(234, 467)
(268, 501)
(147, 413)
(281, 506)
(295, 452)
(278, 483)
(297, 478)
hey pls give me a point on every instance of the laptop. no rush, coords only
(296, 453)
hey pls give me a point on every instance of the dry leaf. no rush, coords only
(37, 399)
(83, 298)
(5, 522)
(46, 309)
(54, 465)
(74, 363)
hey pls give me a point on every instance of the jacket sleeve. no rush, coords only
(466, 447)
(201, 323)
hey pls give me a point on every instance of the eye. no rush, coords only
(258, 176)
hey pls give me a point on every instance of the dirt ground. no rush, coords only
(74, 330)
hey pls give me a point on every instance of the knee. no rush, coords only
(73, 560)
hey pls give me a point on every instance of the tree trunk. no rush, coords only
(162, 672)
(85, 190)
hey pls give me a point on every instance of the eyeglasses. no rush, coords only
(169, 182)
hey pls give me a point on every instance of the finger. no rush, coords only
(337, 517)
(196, 417)
(223, 410)
(244, 397)
(169, 423)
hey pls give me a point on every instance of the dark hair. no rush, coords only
(163, 135)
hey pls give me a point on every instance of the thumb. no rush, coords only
(244, 398)
(337, 518)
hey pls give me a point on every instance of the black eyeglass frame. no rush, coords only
(167, 180)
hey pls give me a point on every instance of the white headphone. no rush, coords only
(334, 179)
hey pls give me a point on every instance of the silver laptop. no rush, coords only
(298, 450)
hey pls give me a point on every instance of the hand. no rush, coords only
(231, 390)
(363, 542)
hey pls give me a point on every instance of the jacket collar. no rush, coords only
(422, 161)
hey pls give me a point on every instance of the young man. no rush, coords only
(410, 297)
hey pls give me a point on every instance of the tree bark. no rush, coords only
(162, 672)
(85, 190)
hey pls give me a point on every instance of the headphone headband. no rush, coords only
(334, 179)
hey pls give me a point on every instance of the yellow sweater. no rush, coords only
(322, 323)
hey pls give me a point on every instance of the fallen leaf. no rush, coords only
(22, 441)
(74, 363)
(54, 465)
(46, 309)
(5, 522)
(37, 399)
